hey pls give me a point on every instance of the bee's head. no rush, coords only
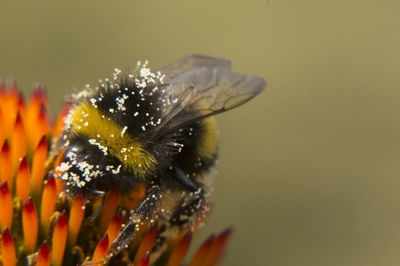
(86, 168)
(100, 153)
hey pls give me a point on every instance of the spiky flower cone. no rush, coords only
(40, 225)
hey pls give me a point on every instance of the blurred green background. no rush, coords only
(309, 170)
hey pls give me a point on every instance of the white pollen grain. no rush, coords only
(123, 131)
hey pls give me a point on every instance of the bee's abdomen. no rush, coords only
(199, 147)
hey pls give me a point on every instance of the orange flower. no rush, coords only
(42, 225)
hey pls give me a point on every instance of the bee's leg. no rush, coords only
(190, 210)
(93, 196)
(145, 211)
(195, 202)
(184, 180)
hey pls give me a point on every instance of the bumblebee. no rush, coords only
(152, 129)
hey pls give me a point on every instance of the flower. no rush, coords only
(42, 226)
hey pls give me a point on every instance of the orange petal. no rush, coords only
(22, 107)
(13, 96)
(18, 142)
(217, 248)
(43, 258)
(137, 194)
(2, 91)
(76, 216)
(58, 127)
(38, 98)
(114, 227)
(3, 99)
(6, 170)
(8, 249)
(48, 203)
(109, 208)
(38, 166)
(101, 250)
(59, 239)
(37, 102)
(9, 106)
(145, 260)
(147, 243)
(23, 180)
(2, 127)
(42, 126)
(59, 185)
(30, 225)
(180, 250)
(6, 206)
(200, 254)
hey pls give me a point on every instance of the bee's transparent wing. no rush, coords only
(191, 62)
(208, 88)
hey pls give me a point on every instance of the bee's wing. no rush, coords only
(191, 62)
(208, 87)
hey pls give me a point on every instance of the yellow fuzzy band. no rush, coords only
(111, 139)
(207, 145)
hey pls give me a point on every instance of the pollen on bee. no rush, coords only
(123, 131)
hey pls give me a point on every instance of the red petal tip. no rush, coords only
(6, 147)
(24, 164)
(44, 252)
(38, 92)
(6, 237)
(103, 244)
(226, 233)
(21, 99)
(29, 206)
(62, 220)
(2, 87)
(145, 260)
(51, 182)
(4, 188)
(42, 111)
